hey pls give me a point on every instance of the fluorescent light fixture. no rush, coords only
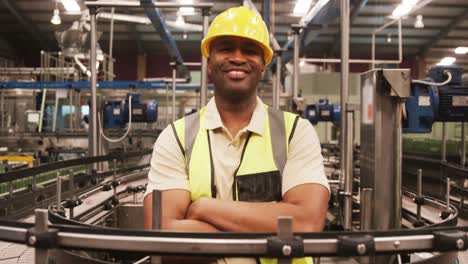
(302, 7)
(186, 10)
(71, 5)
(461, 50)
(419, 22)
(56, 18)
(128, 18)
(447, 61)
(185, 26)
(404, 8)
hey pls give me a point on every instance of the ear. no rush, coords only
(208, 68)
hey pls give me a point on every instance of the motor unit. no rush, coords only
(428, 104)
(116, 113)
(323, 111)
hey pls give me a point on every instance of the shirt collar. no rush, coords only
(256, 124)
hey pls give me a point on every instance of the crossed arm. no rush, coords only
(306, 203)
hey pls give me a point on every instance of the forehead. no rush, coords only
(232, 40)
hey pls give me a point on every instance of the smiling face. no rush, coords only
(235, 66)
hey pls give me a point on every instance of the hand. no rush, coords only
(197, 208)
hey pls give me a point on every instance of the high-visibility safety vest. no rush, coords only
(254, 181)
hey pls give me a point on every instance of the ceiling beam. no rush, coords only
(159, 24)
(443, 33)
(27, 25)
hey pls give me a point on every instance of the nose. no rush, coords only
(237, 56)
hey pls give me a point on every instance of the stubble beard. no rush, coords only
(234, 96)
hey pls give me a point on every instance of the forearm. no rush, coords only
(188, 225)
(306, 203)
(256, 216)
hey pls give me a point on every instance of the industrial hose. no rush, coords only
(449, 78)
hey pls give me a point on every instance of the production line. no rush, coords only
(77, 149)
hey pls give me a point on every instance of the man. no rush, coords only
(237, 164)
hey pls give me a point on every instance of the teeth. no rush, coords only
(236, 72)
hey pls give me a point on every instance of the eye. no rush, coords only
(251, 51)
(224, 49)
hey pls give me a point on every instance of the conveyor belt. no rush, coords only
(11, 253)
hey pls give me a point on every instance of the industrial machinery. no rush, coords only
(117, 113)
(323, 111)
(440, 98)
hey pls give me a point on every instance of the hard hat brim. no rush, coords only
(206, 42)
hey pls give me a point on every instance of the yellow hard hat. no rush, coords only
(239, 22)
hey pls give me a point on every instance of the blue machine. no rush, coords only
(116, 113)
(428, 104)
(323, 111)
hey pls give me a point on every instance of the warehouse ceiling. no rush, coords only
(26, 28)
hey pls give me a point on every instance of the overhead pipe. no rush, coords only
(318, 12)
(276, 93)
(251, 5)
(154, 14)
(111, 46)
(323, 13)
(266, 13)
(372, 61)
(400, 40)
(296, 32)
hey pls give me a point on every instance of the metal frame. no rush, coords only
(93, 7)
(82, 85)
(400, 43)
(221, 245)
(346, 149)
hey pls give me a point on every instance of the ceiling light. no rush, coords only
(56, 18)
(302, 63)
(389, 38)
(180, 20)
(404, 8)
(302, 7)
(184, 36)
(447, 61)
(71, 5)
(419, 22)
(124, 17)
(186, 10)
(461, 50)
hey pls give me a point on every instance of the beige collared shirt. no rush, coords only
(168, 169)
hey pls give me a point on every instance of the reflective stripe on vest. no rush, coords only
(254, 180)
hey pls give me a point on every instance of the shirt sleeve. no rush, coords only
(305, 161)
(167, 170)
